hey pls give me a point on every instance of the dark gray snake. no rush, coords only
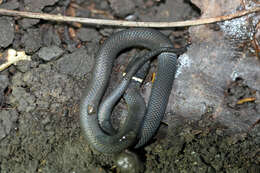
(141, 122)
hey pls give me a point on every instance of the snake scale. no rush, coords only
(141, 122)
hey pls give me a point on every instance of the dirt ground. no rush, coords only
(39, 99)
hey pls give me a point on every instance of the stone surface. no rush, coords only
(7, 121)
(4, 81)
(50, 36)
(173, 11)
(10, 5)
(34, 6)
(88, 34)
(6, 32)
(209, 71)
(168, 11)
(24, 66)
(27, 23)
(50, 53)
(78, 63)
(122, 7)
(24, 100)
(32, 40)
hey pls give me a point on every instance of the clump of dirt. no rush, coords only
(46, 137)
(204, 146)
(238, 91)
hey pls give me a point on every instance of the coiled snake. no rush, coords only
(141, 122)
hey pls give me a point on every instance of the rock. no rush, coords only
(27, 23)
(50, 37)
(128, 162)
(78, 63)
(10, 5)
(4, 81)
(80, 1)
(34, 6)
(103, 5)
(132, 17)
(173, 11)
(206, 73)
(176, 10)
(25, 101)
(71, 47)
(122, 7)
(7, 121)
(6, 32)
(88, 34)
(24, 66)
(83, 12)
(32, 40)
(50, 53)
(139, 3)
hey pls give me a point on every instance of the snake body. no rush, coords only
(142, 123)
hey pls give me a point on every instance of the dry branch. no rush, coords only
(124, 23)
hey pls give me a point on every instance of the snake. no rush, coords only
(142, 121)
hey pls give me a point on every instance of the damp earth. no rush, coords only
(212, 122)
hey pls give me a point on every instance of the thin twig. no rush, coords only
(124, 23)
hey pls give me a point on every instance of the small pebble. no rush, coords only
(50, 53)
(122, 7)
(128, 162)
(88, 34)
(6, 32)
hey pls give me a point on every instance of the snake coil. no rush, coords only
(141, 123)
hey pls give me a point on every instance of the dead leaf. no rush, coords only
(219, 55)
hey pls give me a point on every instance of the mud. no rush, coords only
(39, 99)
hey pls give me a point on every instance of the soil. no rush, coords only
(39, 99)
